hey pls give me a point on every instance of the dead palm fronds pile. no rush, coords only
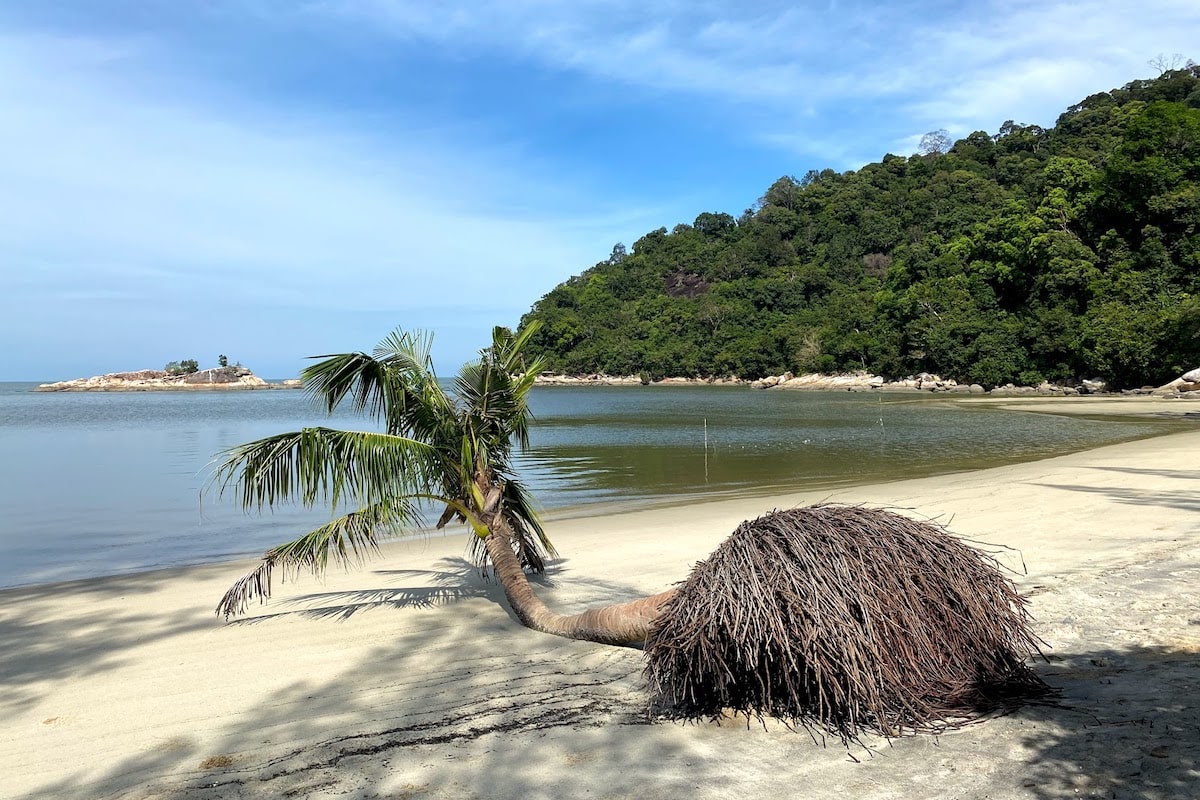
(845, 618)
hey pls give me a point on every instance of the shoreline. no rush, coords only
(866, 382)
(216, 387)
(1099, 407)
(161, 380)
(591, 513)
(410, 678)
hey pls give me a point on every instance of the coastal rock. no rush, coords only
(729, 380)
(595, 379)
(925, 382)
(601, 379)
(865, 381)
(1009, 390)
(1185, 383)
(858, 381)
(225, 376)
(149, 380)
(1049, 389)
(138, 375)
(1188, 382)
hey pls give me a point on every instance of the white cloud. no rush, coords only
(180, 188)
(119, 199)
(904, 68)
(1026, 61)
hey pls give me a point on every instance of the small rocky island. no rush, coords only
(158, 380)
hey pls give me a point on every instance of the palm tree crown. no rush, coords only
(453, 448)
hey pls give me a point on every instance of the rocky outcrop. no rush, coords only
(1187, 382)
(727, 381)
(865, 381)
(1187, 385)
(601, 379)
(923, 382)
(150, 380)
(596, 379)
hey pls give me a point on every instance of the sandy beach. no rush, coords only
(410, 678)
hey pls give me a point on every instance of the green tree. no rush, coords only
(222, 361)
(184, 367)
(1041, 237)
(935, 143)
(453, 449)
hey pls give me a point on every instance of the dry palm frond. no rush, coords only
(845, 618)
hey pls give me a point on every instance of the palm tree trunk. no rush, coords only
(621, 624)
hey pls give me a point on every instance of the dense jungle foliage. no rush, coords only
(1032, 254)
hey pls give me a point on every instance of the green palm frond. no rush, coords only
(520, 374)
(509, 349)
(397, 386)
(407, 351)
(455, 450)
(348, 540)
(520, 505)
(328, 465)
(472, 387)
(496, 403)
(364, 379)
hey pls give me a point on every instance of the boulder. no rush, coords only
(149, 380)
(1187, 382)
(223, 376)
(1009, 390)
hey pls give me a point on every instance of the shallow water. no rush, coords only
(104, 483)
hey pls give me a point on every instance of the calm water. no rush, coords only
(103, 483)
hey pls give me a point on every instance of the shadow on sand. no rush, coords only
(467, 710)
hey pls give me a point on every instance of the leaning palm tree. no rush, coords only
(837, 616)
(453, 449)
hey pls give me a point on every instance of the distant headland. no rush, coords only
(164, 380)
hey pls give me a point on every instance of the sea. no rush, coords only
(95, 484)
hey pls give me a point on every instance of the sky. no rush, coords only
(275, 179)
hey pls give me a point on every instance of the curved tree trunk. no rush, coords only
(621, 624)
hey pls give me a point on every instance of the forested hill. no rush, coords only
(1030, 254)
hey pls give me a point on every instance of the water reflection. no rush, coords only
(98, 484)
(592, 444)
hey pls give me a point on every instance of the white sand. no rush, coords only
(411, 679)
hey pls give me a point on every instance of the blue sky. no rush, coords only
(271, 179)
